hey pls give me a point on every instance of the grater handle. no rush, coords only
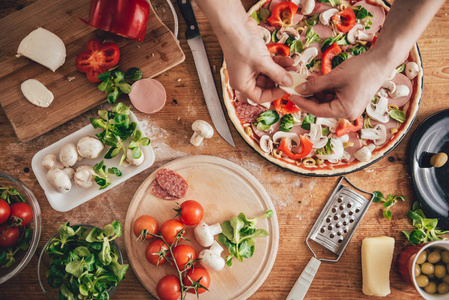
(299, 290)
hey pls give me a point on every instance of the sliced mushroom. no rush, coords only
(325, 16)
(309, 54)
(264, 34)
(49, 161)
(343, 138)
(296, 58)
(89, 147)
(400, 91)
(329, 122)
(357, 33)
(382, 92)
(337, 151)
(316, 136)
(68, 156)
(377, 134)
(389, 85)
(84, 176)
(411, 70)
(266, 144)
(307, 7)
(285, 32)
(365, 153)
(291, 136)
(379, 111)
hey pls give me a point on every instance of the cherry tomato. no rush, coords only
(182, 254)
(170, 229)
(9, 237)
(191, 213)
(145, 222)
(5, 211)
(194, 275)
(169, 288)
(152, 250)
(22, 213)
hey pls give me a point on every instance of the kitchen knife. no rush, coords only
(203, 69)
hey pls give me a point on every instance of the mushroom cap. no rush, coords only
(132, 160)
(49, 161)
(84, 176)
(203, 128)
(59, 180)
(89, 147)
(68, 155)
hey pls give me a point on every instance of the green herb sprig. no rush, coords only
(11, 195)
(114, 82)
(266, 119)
(426, 229)
(387, 203)
(102, 174)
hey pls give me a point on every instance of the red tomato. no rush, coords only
(152, 250)
(326, 62)
(147, 223)
(9, 237)
(344, 20)
(182, 254)
(170, 229)
(169, 288)
(97, 59)
(194, 275)
(191, 212)
(22, 212)
(5, 211)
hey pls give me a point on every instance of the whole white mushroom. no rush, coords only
(68, 156)
(84, 176)
(211, 258)
(202, 130)
(89, 147)
(60, 180)
(134, 161)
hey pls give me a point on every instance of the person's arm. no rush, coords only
(356, 80)
(245, 53)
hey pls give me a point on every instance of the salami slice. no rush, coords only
(172, 183)
(158, 191)
(249, 113)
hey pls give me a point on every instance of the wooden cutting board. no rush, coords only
(159, 52)
(224, 189)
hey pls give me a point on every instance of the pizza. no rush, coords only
(320, 35)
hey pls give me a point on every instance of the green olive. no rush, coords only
(447, 268)
(427, 268)
(422, 280)
(443, 288)
(446, 279)
(431, 276)
(438, 160)
(417, 270)
(431, 288)
(440, 271)
(445, 257)
(434, 257)
(422, 258)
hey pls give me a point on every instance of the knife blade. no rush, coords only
(204, 73)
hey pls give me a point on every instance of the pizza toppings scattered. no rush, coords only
(169, 185)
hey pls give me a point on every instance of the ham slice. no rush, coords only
(148, 95)
(401, 79)
(323, 31)
(353, 138)
(378, 18)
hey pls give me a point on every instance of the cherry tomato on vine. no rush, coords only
(22, 213)
(199, 275)
(5, 211)
(147, 223)
(9, 237)
(182, 254)
(169, 288)
(152, 250)
(170, 229)
(190, 212)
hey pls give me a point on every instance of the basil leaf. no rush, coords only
(313, 20)
(397, 115)
(268, 117)
(287, 123)
(312, 36)
(296, 47)
(338, 59)
(309, 119)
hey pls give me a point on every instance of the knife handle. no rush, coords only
(187, 13)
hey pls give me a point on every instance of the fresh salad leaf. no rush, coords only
(387, 203)
(313, 20)
(309, 119)
(102, 176)
(114, 82)
(264, 13)
(331, 2)
(312, 36)
(360, 12)
(332, 40)
(339, 59)
(255, 16)
(357, 50)
(266, 119)
(287, 123)
(397, 115)
(296, 47)
(400, 69)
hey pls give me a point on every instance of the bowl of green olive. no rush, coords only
(431, 270)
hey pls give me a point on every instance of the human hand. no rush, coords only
(252, 70)
(354, 82)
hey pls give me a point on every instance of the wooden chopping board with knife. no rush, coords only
(74, 94)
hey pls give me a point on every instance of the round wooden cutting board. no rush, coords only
(224, 189)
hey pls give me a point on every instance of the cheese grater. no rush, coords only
(333, 230)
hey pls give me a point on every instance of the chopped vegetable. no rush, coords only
(357, 50)
(313, 20)
(309, 119)
(312, 36)
(284, 106)
(287, 122)
(283, 14)
(279, 49)
(344, 126)
(266, 119)
(306, 147)
(264, 13)
(397, 115)
(344, 20)
(338, 59)
(239, 235)
(255, 16)
(389, 202)
(296, 47)
(328, 55)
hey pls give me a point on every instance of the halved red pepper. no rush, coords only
(127, 18)
(344, 126)
(284, 106)
(306, 147)
(278, 48)
(344, 20)
(326, 61)
(283, 14)
(97, 58)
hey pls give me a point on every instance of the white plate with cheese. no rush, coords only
(76, 196)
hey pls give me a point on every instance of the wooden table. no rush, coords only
(298, 199)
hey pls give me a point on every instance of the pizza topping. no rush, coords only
(266, 144)
(328, 55)
(377, 134)
(292, 137)
(37, 93)
(411, 70)
(287, 122)
(316, 136)
(400, 91)
(266, 119)
(344, 126)
(331, 123)
(336, 150)
(265, 34)
(307, 7)
(172, 183)
(248, 113)
(284, 106)
(345, 20)
(202, 130)
(327, 15)
(379, 111)
(298, 78)
(279, 49)
(283, 14)
(357, 33)
(285, 147)
(284, 33)
(312, 36)
(389, 85)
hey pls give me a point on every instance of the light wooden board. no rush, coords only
(157, 53)
(224, 189)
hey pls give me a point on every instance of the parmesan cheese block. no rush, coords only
(37, 93)
(298, 79)
(377, 255)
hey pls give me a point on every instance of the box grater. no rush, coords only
(333, 230)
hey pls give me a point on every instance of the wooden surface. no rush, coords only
(298, 199)
(209, 179)
(156, 54)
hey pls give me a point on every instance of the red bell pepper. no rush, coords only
(278, 48)
(306, 147)
(283, 14)
(344, 20)
(97, 58)
(284, 106)
(127, 18)
(326, 61)
(344, 126)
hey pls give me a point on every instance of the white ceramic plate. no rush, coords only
(77, 196)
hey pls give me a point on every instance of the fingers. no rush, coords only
(317, 84)
(276, 73)
(326, 110)
(260, 95)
